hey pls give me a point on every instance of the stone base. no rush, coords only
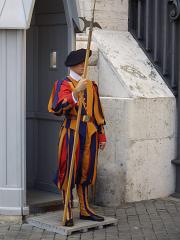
(53, 222)
(10, 219)
(176, 196)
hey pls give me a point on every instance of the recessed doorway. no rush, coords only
(47, 47)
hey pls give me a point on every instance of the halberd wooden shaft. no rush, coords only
(76, 135)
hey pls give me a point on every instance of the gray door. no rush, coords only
(46, 51)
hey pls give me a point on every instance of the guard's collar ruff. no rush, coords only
(74, 75)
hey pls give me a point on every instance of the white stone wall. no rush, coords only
(140, 111)
(110, 14)
(136, 165)
(140, 114)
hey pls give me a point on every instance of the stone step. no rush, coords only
(41, 201)
(46, 207)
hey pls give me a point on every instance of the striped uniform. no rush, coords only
(91, 133)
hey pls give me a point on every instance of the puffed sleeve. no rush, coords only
(61, 99)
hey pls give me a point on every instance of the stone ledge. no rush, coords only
(133, 69)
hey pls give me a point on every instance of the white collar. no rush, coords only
(74, 75)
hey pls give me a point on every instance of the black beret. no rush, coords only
(76, 57)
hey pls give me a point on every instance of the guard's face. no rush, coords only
(79, 69)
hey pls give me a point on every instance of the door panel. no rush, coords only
(42, 127)
(51, 38)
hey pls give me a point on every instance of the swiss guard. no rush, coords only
(64, 100)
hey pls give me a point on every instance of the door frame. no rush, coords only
(70, 15)
(13, 101)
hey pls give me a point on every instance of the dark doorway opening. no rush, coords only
(47, 47)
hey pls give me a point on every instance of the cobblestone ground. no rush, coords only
(147, 220)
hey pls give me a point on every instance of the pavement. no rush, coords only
(146, 220)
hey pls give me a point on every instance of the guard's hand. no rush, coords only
(81, 86)
(102, 145)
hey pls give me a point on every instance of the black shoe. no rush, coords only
(92, 218)
(69, 223)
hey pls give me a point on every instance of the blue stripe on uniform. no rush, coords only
(56, 98)
(82, 140)
(71, 143)
(92, 160)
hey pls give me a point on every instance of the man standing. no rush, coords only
(64, 101)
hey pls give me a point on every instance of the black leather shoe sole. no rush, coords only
(69, 223)
(95, 218)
